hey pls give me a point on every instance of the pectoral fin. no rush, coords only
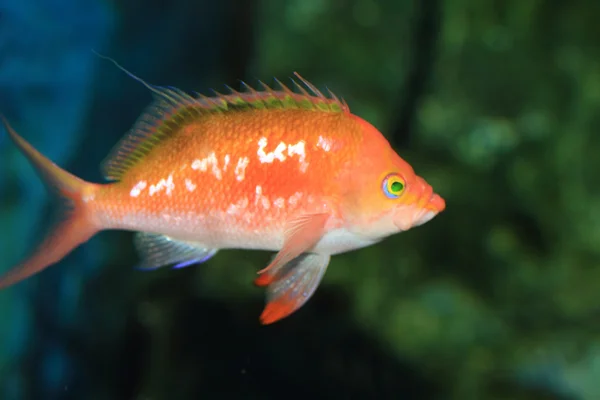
(292, 284)
(159, 250)
(301, 235)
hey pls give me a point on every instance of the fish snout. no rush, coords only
(434, 206)
(436, 203)
(427, 198)
(427, 205)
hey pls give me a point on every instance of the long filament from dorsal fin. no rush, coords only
(154, 89)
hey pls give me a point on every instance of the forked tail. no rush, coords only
(74, 225)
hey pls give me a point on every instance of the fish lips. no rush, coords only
(420, 215)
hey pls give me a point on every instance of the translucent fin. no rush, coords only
(267, 277)
(74, 226)
(159, 250)
(302, 233)
(292, 284)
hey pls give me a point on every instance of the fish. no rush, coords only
(286, 169)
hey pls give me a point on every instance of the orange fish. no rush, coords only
(294, 172)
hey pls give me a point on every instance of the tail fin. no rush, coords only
(74, 225)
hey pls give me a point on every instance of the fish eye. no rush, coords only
(393, 186)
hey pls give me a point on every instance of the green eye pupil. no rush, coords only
(397, 187)
(393, 186)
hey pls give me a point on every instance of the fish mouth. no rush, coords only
(420, 214)
(436, 204)
(428, 206)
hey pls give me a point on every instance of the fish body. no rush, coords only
(236, 185)
(280, 170)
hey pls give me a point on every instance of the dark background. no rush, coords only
(495, 103)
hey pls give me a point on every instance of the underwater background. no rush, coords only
(495, 103)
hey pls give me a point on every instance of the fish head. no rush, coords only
(383, 195)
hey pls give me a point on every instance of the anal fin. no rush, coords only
(160, 250)
(291, 285)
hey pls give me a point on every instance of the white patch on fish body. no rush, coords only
(199, 165)
(268, 158)
(258, 194)
(226, 162)
(265, 203)
(324, 143)
(162, 184)
(239, 206)
(209, 161)
(262, 199)
(137, 188)
(299, 150)
(293, 199)
(169, 185)
(153, 189)
(190, 186)
(240, 168)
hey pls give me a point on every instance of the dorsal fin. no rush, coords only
(173, 108)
